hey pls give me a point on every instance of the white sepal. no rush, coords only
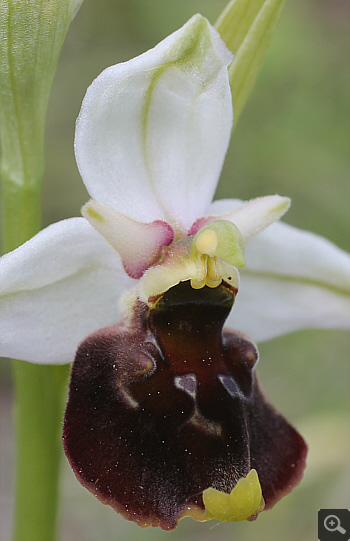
(153, 132)
(56, 289)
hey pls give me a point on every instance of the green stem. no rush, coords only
(38, 418)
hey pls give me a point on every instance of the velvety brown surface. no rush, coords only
(163, 409)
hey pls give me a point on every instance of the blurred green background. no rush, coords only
(292, 139)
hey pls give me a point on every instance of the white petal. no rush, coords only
(224, 206)
(55, 290)
(257, 214)
(153, 132)
(139, 244)
(294, 279)
(250, 217)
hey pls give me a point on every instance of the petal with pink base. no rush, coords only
(138, 244)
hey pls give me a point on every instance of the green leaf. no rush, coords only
(31, 36)
(247, 27)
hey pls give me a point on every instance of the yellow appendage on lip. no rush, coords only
(244, 501)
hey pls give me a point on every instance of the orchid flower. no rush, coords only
(165, 417)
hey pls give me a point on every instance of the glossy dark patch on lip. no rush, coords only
(162, 409)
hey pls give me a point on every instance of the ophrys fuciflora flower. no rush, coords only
(165, 417)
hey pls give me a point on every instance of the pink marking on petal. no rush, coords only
(201, 222)
(139, 244)
(146, 250)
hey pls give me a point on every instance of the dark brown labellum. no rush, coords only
(168, 406)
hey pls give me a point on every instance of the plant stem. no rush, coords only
(38, 417)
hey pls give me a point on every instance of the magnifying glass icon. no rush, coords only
(332, 524)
